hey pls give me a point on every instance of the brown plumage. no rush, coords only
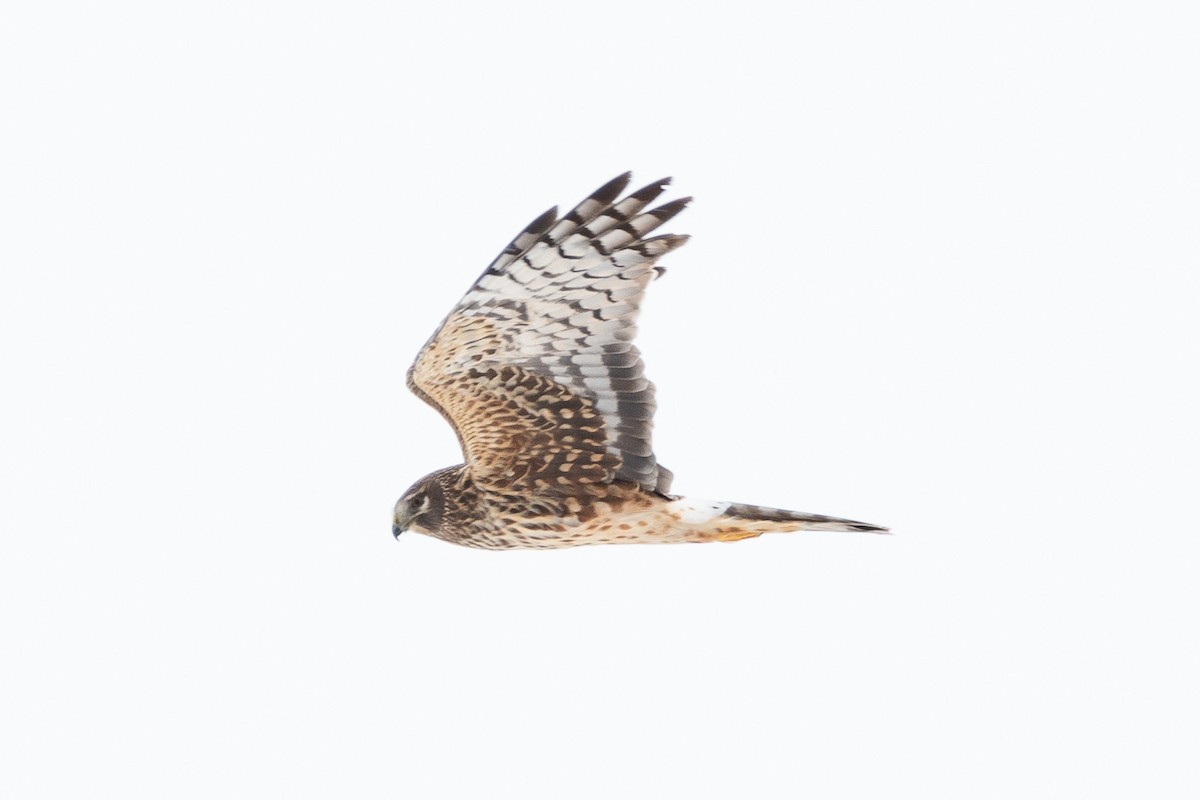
(536, 370)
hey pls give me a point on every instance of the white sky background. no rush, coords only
(943, 278)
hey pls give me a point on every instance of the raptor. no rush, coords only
(536, 370)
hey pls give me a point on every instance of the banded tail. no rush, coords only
(731, 522)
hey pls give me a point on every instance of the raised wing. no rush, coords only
(535, 368)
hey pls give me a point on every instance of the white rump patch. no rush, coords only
(696, 512)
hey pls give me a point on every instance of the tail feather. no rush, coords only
(718, 521)
(797, 520)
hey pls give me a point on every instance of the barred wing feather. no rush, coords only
(535, 367)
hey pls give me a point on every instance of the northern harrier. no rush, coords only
(536, 370)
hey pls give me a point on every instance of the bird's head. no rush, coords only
(420, 508)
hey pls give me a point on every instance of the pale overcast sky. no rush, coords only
(943, 277)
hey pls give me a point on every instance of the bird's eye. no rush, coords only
(419, 501)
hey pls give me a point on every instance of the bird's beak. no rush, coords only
(400, 523)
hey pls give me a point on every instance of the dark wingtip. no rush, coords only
(546, 219)
(651, 190)
(609, 191)
(668, 210)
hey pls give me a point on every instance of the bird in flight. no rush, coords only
(536, 370)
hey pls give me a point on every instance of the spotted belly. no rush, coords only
(640, 520)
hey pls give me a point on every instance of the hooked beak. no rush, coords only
(400, 523)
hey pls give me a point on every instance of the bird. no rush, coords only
(537, 372)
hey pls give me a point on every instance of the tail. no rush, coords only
(730, 522)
